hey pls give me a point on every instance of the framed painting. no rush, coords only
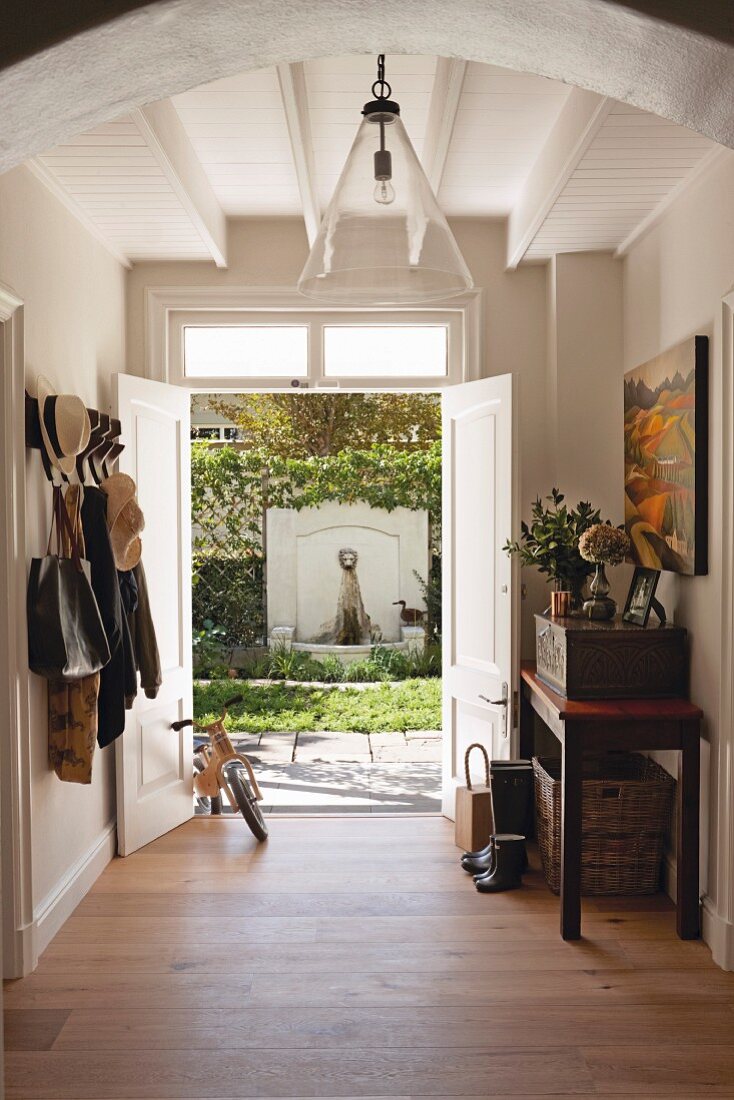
(666, 459)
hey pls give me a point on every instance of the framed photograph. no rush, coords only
(666, 459)
(640, 596)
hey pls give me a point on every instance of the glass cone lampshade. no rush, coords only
(383, 240)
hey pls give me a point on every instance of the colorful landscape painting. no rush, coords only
(665, 459)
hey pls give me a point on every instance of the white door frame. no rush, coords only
(165, 305)
(718, 914)
(19, 948)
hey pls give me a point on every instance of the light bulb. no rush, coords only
(384, 192)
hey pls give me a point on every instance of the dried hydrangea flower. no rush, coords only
(604, 544)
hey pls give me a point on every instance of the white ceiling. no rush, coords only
(158, 184)
(112, 174)
(633, 164)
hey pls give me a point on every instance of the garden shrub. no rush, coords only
(229, 591)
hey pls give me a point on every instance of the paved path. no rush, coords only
(348, 772)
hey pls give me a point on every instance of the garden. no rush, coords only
(279, 707)
(302, 451)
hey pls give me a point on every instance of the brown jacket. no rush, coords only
(142, 633)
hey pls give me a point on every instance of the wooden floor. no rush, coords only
(351, 957)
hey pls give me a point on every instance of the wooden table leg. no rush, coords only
(687, 916)
(571, 795)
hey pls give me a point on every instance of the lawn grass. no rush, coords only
(409, 705)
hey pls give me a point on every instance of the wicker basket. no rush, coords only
(627, 803)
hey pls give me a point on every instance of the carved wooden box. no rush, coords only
(593, 660)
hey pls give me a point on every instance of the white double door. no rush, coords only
(479, 665)
(154, 764)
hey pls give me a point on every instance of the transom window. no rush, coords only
(246, 351)
(274, 349)
(386, 351)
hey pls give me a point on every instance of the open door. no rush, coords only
(154, 764)
(477, 575)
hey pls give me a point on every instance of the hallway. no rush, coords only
(351, 957)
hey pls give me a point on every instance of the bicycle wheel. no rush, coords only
(247, 804)
(207, 805)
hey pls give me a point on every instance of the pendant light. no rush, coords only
(383, 239)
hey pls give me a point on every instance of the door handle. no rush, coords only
(500, 703)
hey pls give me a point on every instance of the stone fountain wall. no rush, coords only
(304, 575)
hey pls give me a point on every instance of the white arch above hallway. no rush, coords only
(162, 48)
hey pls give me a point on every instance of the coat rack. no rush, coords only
(103, 445)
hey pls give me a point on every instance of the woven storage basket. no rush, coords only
(627, 803)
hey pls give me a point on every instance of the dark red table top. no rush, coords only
(610, 710)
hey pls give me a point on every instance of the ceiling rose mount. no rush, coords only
(383, 241)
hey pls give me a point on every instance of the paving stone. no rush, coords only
(386, 739)
(423, 735)
(275, 747)
(246, 743)
(346, 786)
(333, 748)
(412, 752)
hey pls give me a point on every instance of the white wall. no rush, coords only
(674, 281)
(585, 355)
(271, 252)
(74, 302)
(304, 576)
(606, 317)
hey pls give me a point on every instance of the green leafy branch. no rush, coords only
(550, 542)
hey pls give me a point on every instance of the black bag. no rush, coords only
(66, 638)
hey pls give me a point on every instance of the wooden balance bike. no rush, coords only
(218, 767)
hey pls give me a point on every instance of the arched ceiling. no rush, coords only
(66, 72)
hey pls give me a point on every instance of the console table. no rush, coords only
(597, 726)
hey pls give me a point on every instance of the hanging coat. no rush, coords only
(112, 688)
(142, 632)
(129, 597)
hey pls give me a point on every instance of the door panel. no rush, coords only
(154, 764)
(477, 574)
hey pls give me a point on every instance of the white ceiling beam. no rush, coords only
(49, 180)
(292, 82)
(445, 98)
(169, 143)
(573, 132)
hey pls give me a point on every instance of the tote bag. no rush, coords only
(66, 638)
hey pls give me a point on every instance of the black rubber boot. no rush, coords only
(480, 863)
(507, 871)
(481, 853)
(513, 797)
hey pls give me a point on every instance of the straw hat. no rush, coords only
(65, 426)
(124, 519)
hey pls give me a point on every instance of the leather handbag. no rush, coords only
(66, 638)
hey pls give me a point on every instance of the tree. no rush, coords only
(318, 424)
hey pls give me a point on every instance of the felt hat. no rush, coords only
(124, 519)
(65, 426)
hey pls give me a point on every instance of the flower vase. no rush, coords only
(600, 606)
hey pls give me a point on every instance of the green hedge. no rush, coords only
(229, 592)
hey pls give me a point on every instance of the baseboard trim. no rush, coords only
(718, 932)
(57, 907)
